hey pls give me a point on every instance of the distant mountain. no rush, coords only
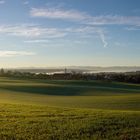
(83, 69)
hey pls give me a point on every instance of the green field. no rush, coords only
(42, 109)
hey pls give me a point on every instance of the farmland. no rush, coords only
(62, 109)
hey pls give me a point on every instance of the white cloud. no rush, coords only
(15, 53)
(82, 17)
(2, 1)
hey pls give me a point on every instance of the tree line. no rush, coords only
(130, 77)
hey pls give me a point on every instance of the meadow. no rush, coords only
(56, 109)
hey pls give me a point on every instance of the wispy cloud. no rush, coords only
(136, 10)
(136, 28)
(31, 31)
(2, 1)
(83, 17)
(120, 44)
(114, 20)
(78, 32)
(36, 41)
(26, 2)
(103, 39)
(37, 34)
(90, 31)
(55, 13)
(15, 53)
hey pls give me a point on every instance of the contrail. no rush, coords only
(102, 37)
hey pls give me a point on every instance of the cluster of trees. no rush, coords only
(131, 77)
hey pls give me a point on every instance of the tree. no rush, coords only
(2, 71)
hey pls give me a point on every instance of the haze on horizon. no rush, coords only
(36, 33)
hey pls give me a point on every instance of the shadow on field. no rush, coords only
(48, 90)
(90, 83)
(68, 87)
(68, 90)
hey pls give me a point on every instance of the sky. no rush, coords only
(50, 33)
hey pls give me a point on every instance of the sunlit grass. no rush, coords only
(42, 122)
(46, 110)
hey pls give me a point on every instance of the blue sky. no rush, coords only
(45, 33)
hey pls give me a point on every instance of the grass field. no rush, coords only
(41, 110)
